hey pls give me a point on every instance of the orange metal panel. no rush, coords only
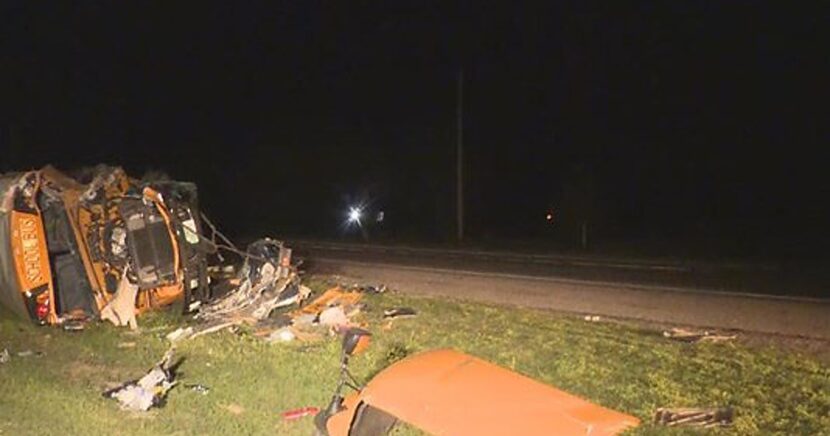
(335, 295)
(445, 392)
(339, 424)
(159, 297)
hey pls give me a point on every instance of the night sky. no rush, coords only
(697, 126)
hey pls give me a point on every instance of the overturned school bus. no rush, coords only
(66, 243)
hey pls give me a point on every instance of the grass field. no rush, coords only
(626, 368)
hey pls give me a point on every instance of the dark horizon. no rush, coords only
(693, 126)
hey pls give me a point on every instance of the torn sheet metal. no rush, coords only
(336, 296)
(266, 281)
(448, 392)
(256, 304)
(334, 309)
(121, 309)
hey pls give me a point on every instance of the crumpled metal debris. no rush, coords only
(150, 390)
(696, 417)
(335, 296)
(198, 388)
(334, 309)
(689, 335)
(265, 282)
(5, 356)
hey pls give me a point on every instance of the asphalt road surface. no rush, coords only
(663, 292)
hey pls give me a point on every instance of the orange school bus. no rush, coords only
(66, 243)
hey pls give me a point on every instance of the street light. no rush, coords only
(354, 215)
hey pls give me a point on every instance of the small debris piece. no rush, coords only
(294, 293)
(5, 357)
(688, 335)
(213, 327)
(372, 289)
(697, 417)
(399, 312)
(221, 271)
(28, 353)
(126, 345)
(284, 334)
(305, 319)
(74, 321)
(149, 390)
(74, 325)
(352, 310)
(198, 388)
(291, 415)
(333, 297)
(277, 320)
(592, 318)
(334, 317)
(180, 333)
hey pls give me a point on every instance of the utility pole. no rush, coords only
(459, 190)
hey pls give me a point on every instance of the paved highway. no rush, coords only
(800, 280)
(717, 296)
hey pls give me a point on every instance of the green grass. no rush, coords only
(621, 367)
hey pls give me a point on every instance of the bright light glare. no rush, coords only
(354, 215)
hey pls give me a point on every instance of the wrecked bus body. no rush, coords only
(66, 243)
